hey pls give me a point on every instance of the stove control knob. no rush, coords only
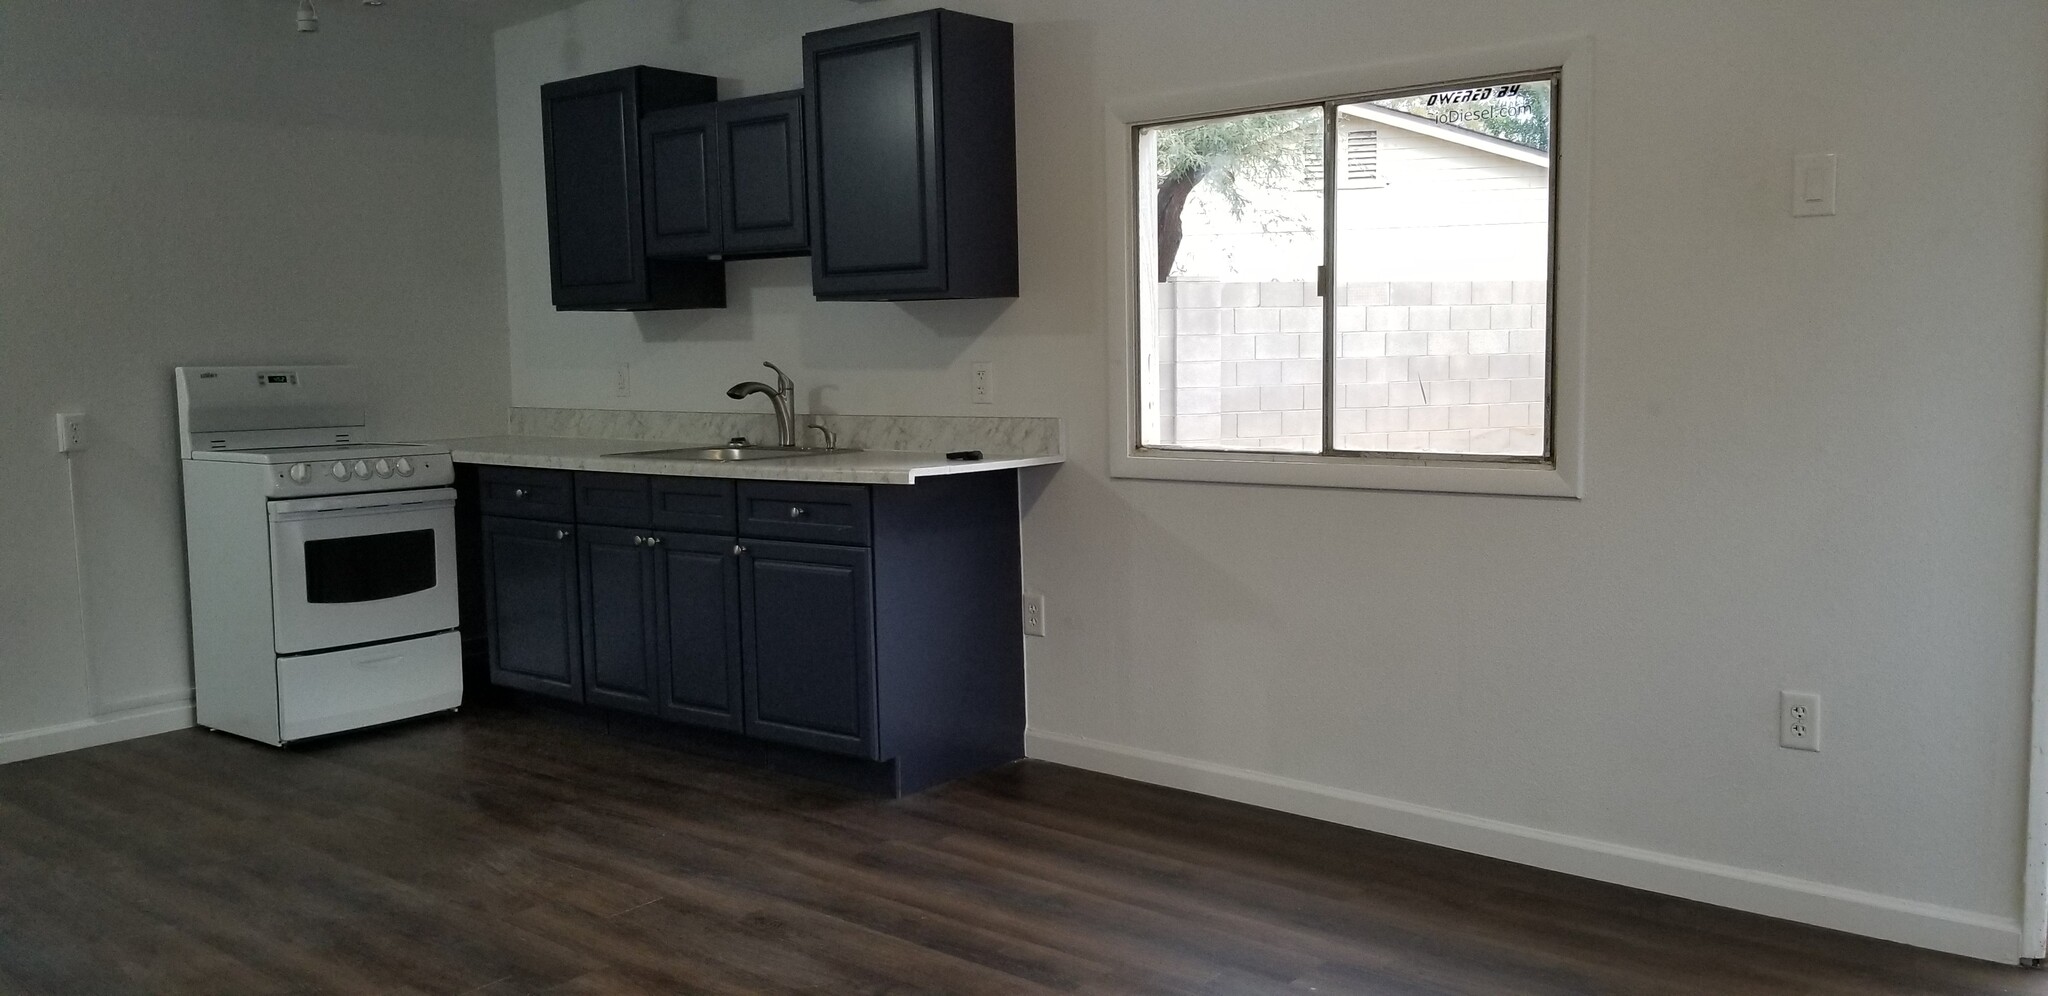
(340, 471)
(299, 473)
(403, 466)
(383, 468)
(362, 469)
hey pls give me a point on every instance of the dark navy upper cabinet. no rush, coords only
(597, 244)
(807, 614)
(727, 179)
(911, 135)
(760, 143)
(699, 618)
(531, 604)
(619, 631)
(683, 185)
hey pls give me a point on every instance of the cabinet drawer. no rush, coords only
(822, 513)
(526, 493)
(613, 499)
(693, 504)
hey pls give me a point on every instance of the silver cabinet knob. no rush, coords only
(519, 492)
(798, 511)
(639, 541)
(653, 541)
(561, 534)
(738, 550)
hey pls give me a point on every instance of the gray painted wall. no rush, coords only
(198, 183)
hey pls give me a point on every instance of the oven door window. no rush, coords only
(369, 568)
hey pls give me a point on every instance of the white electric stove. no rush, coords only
(322, 566)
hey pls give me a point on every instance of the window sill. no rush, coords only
(1530, 480)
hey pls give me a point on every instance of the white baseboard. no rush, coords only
(1941, 928)
(96, 731)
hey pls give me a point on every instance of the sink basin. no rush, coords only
(723, 454)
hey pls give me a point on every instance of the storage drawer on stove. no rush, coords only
(318, 694)
(820, 513)
(526, 493)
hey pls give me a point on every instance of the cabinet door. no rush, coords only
(591, 134)
(619, 636)
(807, 619)
(699, 620)
(531, 604)
(876, 187)
(680, 160)
(597, 245)
(760, 150)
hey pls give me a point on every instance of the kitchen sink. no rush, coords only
(722, 454)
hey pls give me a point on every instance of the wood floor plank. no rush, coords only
(501, 854)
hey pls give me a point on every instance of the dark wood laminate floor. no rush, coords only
(498, 853)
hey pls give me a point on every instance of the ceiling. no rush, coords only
(488, 13)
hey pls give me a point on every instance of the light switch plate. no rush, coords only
(1813, 185)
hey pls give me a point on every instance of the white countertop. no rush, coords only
(864, 467)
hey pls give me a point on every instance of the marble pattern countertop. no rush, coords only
(864, 467)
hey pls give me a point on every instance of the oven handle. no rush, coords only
(376, 501)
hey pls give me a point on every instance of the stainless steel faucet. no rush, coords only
(783, 395)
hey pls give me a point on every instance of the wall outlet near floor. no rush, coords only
(1799, 720)
(622, 381)
(70, 432)
(1034, 614)
(984, 383)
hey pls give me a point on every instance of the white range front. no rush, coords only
(322, 567)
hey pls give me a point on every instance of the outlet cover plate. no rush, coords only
(1799, 720)
(1034, 614)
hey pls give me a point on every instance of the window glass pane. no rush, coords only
(1442, 261)
(1230, 232)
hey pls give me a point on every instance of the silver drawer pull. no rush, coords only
(738, 550)
(519, 493)
(561, 534)
(798, 511)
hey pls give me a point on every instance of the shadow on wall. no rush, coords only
(871, 335)
(759, 293)
(1206, 640)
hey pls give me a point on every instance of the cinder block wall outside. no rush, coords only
(1441, 367)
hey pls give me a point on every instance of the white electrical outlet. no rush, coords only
(984, 383)
(1799, 720)
(622, 381)
(1034, 614)
(70, 432)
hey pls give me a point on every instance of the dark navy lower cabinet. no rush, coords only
(698, 662)
(807, 612)
(530, 602)
(619, 607)
(866, 634)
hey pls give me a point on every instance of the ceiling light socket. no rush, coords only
(309, 19)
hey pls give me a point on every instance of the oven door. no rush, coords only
(353, 569)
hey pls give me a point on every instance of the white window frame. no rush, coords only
(1562, 475)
